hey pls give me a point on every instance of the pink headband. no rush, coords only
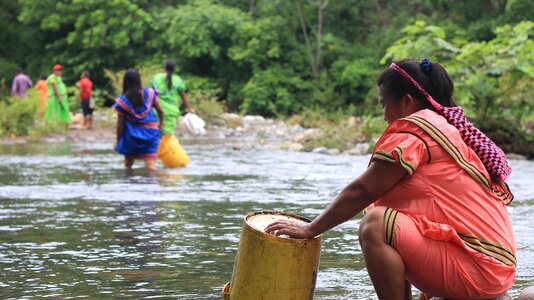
(399, 70)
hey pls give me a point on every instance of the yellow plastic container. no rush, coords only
(270, 267)
(171, 153)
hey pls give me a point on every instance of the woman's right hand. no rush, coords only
(294, 229)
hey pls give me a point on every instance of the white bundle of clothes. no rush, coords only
(194, 124)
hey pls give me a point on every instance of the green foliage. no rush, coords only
(274, 92)
(315, 117)
(260, 57)
(91, 34)
(497, 77)
(421, 40)
(332, 137)
(356, 79)
(17, 115)
(492, 77)
(519, 10)
(202, 28)
(372, 126)
(206, 104)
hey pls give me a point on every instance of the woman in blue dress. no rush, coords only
(138, 129)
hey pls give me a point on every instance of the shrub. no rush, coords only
(275, 92)
(17, 115)
(206, 104)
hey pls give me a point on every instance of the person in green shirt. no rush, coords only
(170, 86)
(57, 104)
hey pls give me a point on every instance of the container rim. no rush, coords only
(271, 212)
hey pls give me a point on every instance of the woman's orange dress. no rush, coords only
(447, 219)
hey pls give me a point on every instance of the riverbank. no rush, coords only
(352, 137)
(240, 131)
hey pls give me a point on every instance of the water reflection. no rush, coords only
(74, 223)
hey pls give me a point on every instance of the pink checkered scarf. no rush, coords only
(490, 154)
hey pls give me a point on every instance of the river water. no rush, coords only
(74, 223)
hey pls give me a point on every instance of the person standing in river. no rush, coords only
(138, 130)
(170, 87)
(435, 194)
(57, 104)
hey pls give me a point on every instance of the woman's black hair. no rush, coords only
(434, 79)
(131, 87)
(170, 65)
(43, 76)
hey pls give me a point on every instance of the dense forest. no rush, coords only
(278, 58)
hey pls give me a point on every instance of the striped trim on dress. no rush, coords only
(496, 250)
(390, 225)
(501, 189)
(386, 156)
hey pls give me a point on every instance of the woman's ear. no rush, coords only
(408, 104)
(411, 104)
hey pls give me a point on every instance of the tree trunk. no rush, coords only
(306, 38)
(380, 12)
(318, 54)
(251, 7)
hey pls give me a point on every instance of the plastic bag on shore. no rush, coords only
(194, 124)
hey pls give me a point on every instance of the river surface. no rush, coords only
(74, 223)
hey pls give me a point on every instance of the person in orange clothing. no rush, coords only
(42, 88)
(436, 216)
(86, 95)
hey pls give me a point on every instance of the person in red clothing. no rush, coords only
(86, 95)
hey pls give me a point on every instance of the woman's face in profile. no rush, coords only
(391, 108)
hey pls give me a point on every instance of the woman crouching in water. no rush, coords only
(435, 194)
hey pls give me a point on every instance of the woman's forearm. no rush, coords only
(353, 199)
(185, 99)
(377, 179)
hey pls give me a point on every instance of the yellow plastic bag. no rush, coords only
(171, 153)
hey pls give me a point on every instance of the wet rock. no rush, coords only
(295, 129)
(296, 147)
(231, 119)
(527, 294)
(306, 135)
(352, 121)
(334, 151)
(514, 156)
(322, 150)
(360, 149)
(251, 120)
(280, 132)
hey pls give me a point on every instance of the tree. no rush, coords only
(497, 76)
(90, 34)
(492, 77)
(316, 61)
